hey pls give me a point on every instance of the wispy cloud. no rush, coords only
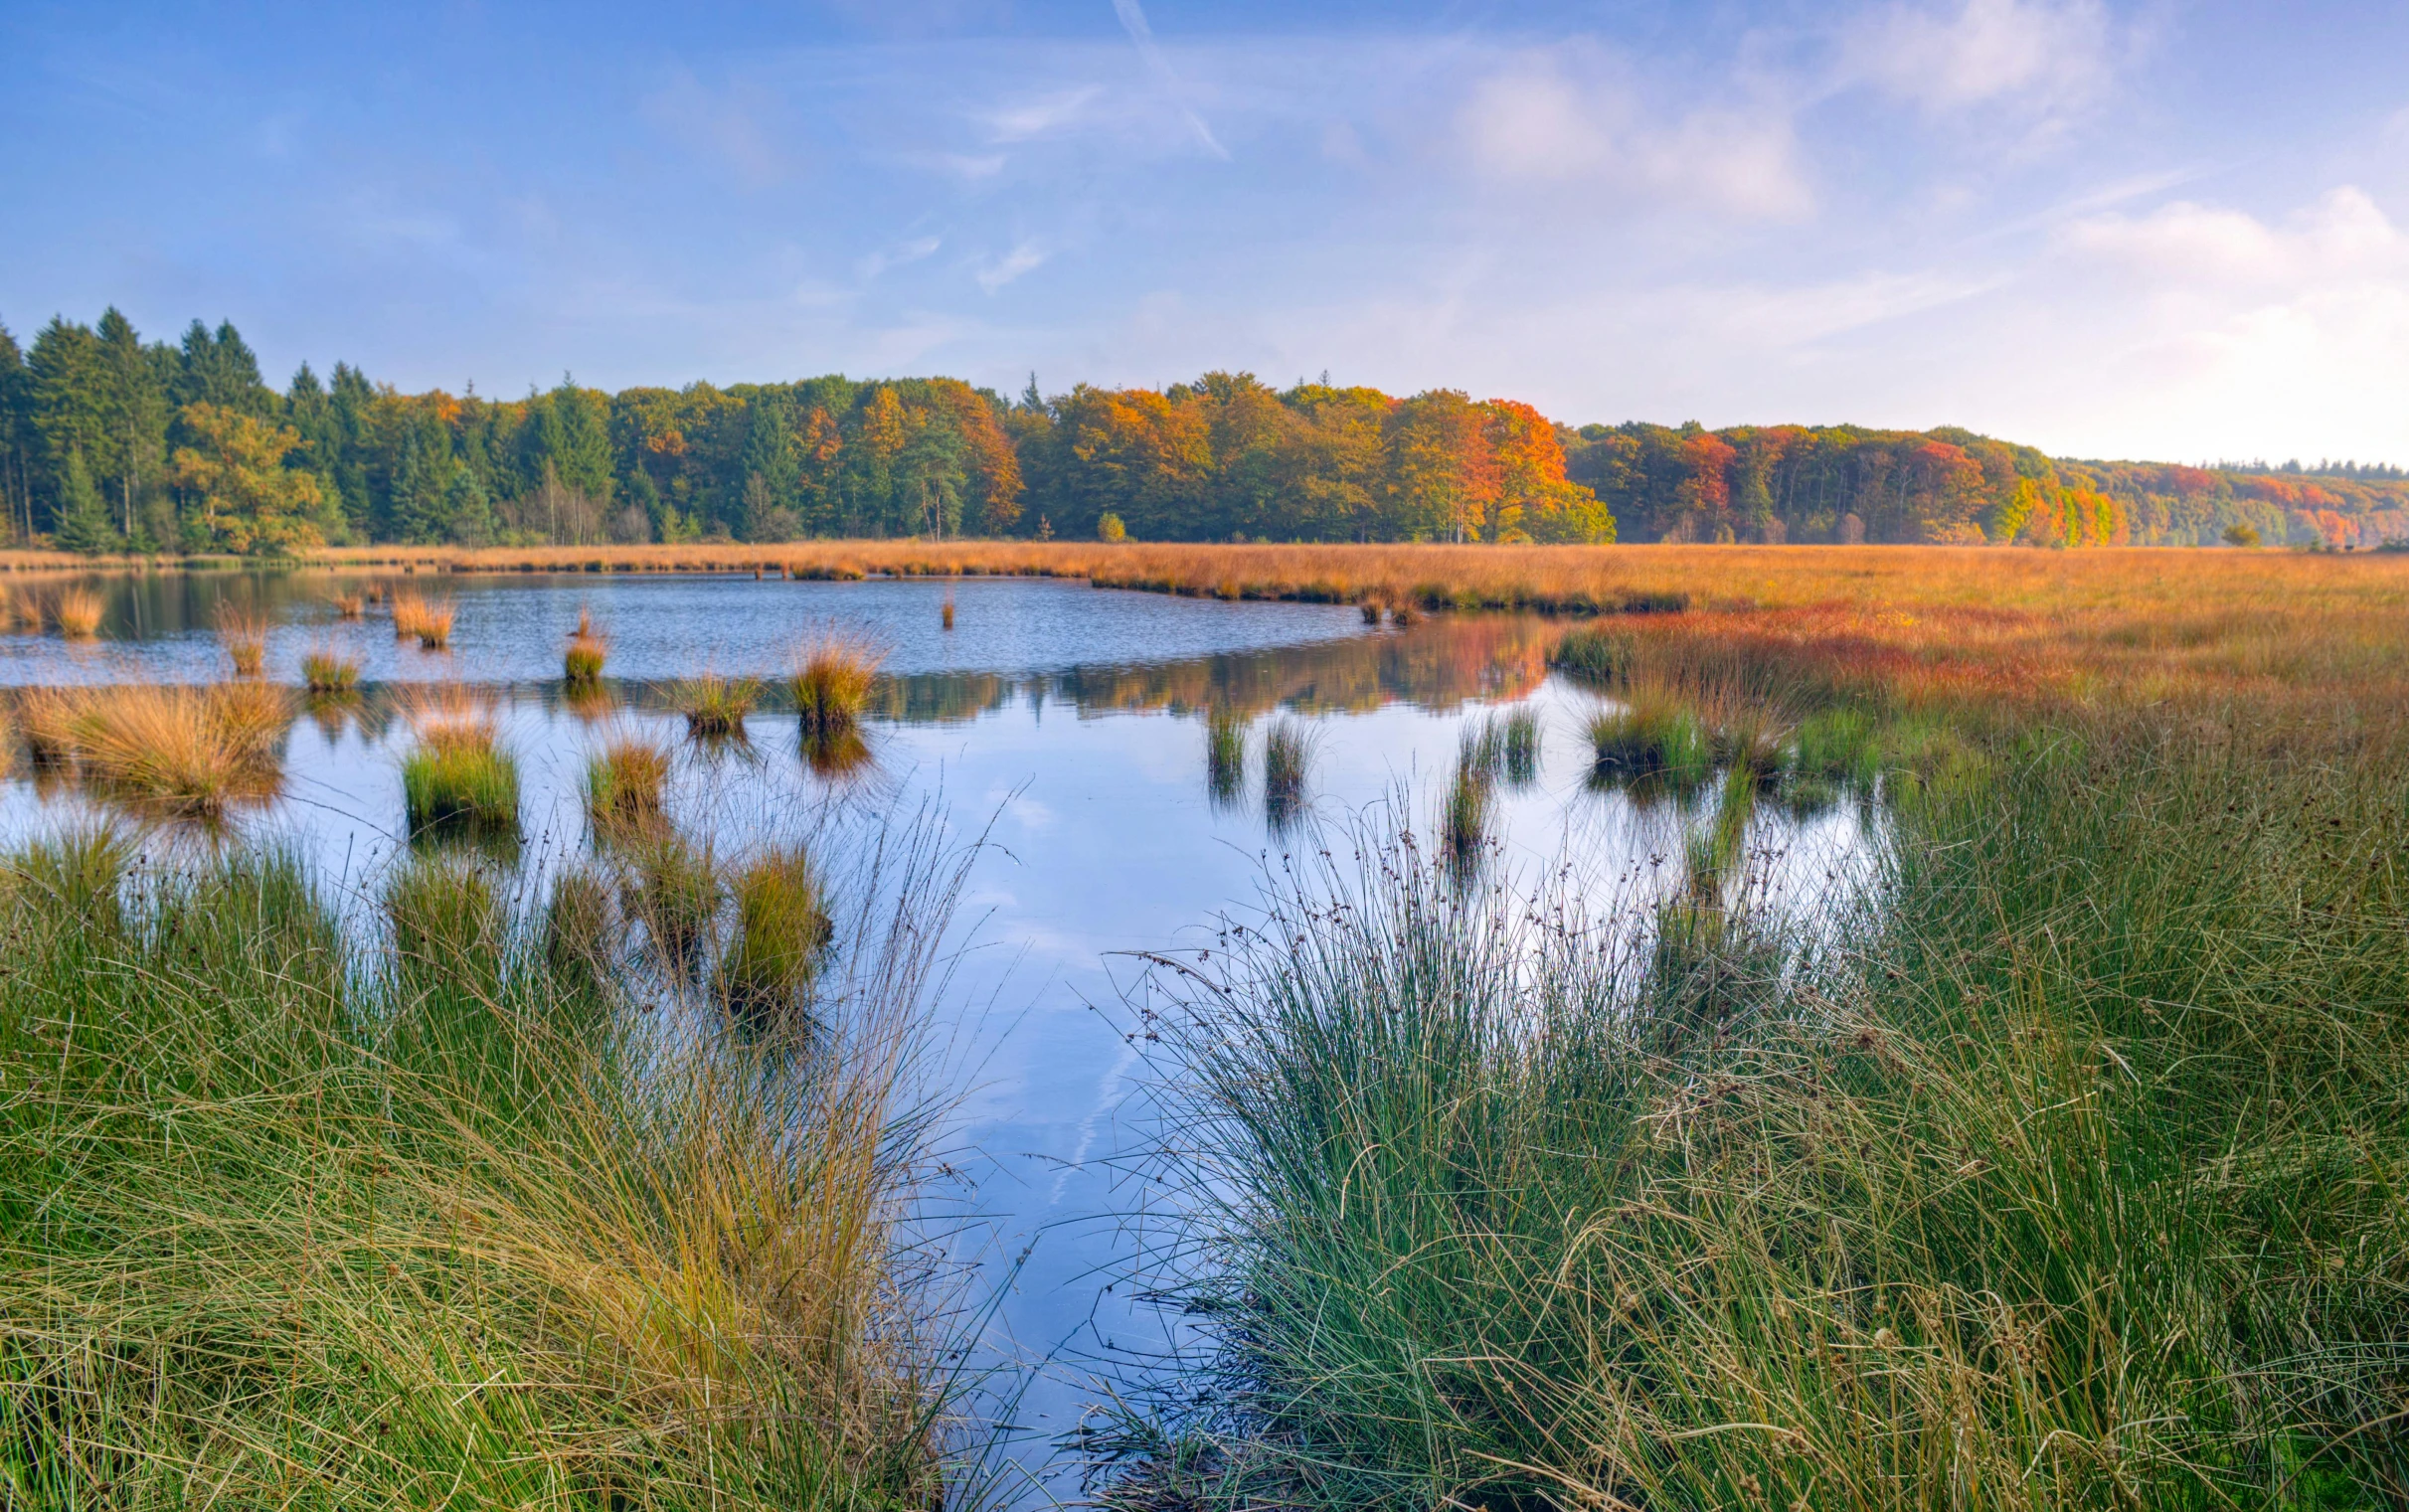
(1025, 257)
(1133, 20)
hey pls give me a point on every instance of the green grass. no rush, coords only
(2062, 1168)
(1840, 746)
(1594, 654)
(1463, 816)
(291, 1223)
(324, 671)
(626, 782)
(783, 929)
(672, 888)
(1224, 753)
(1521, 746)
(1651, 734)
(465, 786)
(833, 677)
(1287, 755)
(715, 705)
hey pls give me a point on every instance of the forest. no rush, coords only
(112, 444)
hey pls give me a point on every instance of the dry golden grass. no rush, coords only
(833, 675)
(427, 619)
(190, 752)
(78, 612)
(242, 631)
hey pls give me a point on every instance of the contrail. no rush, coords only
(1133, 20)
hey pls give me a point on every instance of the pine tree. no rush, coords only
(83, 524)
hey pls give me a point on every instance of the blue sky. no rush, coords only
(2168, 230)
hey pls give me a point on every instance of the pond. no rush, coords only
(1065, 724)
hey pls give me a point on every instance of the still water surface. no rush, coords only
(1063, 722)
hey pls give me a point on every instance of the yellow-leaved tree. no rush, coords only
(246, 499)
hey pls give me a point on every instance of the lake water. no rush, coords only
(1065, 723)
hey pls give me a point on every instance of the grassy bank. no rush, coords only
(291, 1222)
(2064, 1167)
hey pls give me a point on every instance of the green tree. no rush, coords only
(84, 523)
(17, 439)
(135, 412)
(219, 369)
(70, 408)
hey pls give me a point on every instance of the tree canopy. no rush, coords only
(108, 442)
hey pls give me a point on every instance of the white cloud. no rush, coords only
(898, 256)
(1025, 257)
(1576, 114)
(2055, 55)
(1045, 116)
(2187, 245)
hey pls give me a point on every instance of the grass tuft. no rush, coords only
(77, 613)
(783, 931)
(242, 631)
(325, 670)
(1287, 753)
(458, 776)
(626, 782)
(713, 706)
(582, 663)
(1224, 753)
(832, 679)
(1653, 733)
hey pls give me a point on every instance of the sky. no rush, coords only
(2174, 230)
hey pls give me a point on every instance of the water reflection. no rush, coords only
(1125, 788)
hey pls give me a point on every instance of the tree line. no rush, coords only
(108, 442)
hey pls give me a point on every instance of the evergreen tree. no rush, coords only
(83, 524)
(135, 412)
(16, 438)
(219, 369)
(69, 412)
(468, 517)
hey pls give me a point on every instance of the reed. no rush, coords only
(350, 605)
(181, 751)
(77, 613)
(1224, 753)
(266, 1221)
(242, 631)
(1463, 818)
(1653, 731)
(833, 676)
(445, 916)
(1287, 753)
(948, 611)
(1520, 740)
(672, 888)
(1517, 1205)
(782, 931)
(582, 663)
(626, 782)
(458, 776)
(1594, 654)
(580, 948)
(711, 704)
(426, 621)
(325, 670)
